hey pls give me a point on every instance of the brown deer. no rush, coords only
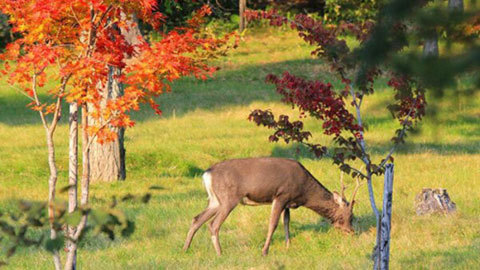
(284, 183)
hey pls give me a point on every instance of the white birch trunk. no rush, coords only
(52, 182)
(71, 262)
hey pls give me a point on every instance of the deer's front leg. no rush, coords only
(277, 208)
(286, 224)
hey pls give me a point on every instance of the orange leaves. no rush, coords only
(199, 16)
(82, 42)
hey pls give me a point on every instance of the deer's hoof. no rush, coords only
(265, 252)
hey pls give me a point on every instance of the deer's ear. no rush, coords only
(338, 199)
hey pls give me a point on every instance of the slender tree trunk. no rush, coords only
(85, 158)
(430, 46)
(242, 5)
(71, 261)
(456, 5)
(85, 185)
(52, 182)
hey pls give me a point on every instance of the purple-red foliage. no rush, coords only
(321, 101)
(286, 130)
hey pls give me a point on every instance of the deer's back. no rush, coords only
(259, 180)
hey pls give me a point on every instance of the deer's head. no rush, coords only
(343, 215)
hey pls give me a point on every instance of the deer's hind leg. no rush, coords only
(197, 222)
(286, 225)
(222, 214)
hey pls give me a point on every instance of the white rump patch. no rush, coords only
(212, 198)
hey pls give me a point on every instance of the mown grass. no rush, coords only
(205, 122)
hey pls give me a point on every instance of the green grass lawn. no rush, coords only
(206, 122)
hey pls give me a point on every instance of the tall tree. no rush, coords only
(319, 100)
(77, 44)
(107, 160)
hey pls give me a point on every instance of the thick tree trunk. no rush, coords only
(107, 161)
(430, 47)
(242, 5)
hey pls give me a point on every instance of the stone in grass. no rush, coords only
(431, 201)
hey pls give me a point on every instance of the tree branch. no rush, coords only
(401, 135)
(37, 101)
(371, 195)
(359, 120)
(58, 104)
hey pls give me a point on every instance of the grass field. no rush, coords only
(205, 122)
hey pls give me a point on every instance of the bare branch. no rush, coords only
(37, 101)
(364, 158)
(81, 226)
(359, 120)
(22, 92)
(342, 185)
(75, 15)
(401, 135)
(92, 138)
(58, 104)
(354, 194)
(103, 15)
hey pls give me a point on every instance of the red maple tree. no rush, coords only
(339, 110)
(73, 45)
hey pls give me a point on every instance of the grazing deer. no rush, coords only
(284, 183)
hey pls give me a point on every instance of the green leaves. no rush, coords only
(73, 219)
(52, 245)
(28, 225)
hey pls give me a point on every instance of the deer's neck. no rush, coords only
(320, 200)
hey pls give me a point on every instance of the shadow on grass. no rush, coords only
(447, 259)
(364, 223)
(297, 151)
(361, 224)
(322, 226)
(93, 242)
(164, 163)
(240, 86)
(14, 110)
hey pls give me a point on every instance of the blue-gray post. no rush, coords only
(386, 218)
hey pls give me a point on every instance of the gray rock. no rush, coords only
(431, 201)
